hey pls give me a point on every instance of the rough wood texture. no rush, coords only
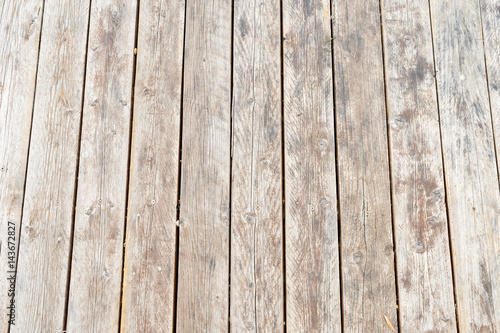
(312, 255)
(490, 18)
(96, 271)
(469, 158)
(50, 183)
(203, 286)
(148, 295)
(425, 284)
(256, 223)
(19, 35)
(368, 279)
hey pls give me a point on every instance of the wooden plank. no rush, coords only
(202, 303)
(425, 284)
(312, 255)
(368, 278)
(472, 187)
(50, 184)
(256, 223)
(20, 34)
(96, 271)
(490, 20)
(148, 294)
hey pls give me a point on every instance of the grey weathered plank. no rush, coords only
(469, 159)
(19, 40)
(425, 284)
(256, 209)
(96, 270)
(490, 19)
(368, 279)
(50, 183)
(312, 261)
(202, 303)
(148, 291)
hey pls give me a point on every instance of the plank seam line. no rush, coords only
(489, 104)
(337, 169)
(283, 184)
(127, 189)
(398, 314)
(28, 151)
(489, 92)
(444, 173)
(77, 170)
(179, 174)
(231, 108)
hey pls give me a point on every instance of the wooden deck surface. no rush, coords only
(250, 166)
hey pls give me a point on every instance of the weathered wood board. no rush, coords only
(312, 256)
(19, 41)
(256, 209)
(368, 278)
(44, 248)
(472, 187)
(148, 291)
(425, 283)
(490, 19)
(96, 269)
(203, 282)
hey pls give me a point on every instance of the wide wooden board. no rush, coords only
(256, 201)
(203, 282)
(425, 284)
(44, 248)
(96, 269)
(19, 35)
(472, 187)
(312, 254)
(148, 291)
(368, 278)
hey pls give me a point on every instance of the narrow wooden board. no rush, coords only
(490, 19)
(203, 283)
(148, 291)
(256, 208)
(19, 35)
(312, 254)
(368, 278)
(472, 187)
(50, 183)
(96, 270)
(425, 283)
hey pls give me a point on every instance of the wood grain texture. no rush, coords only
(19, 35)
(148, 295)
(50, 183)
(490, 19)
(96, 271)
(202, 303)
(425, 284)
(312, 255)
(256, 223)
(368, 278)
(472, 187)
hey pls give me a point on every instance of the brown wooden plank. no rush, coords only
(256, 209)
(50, 183)
(202, 303)
(312, 262)
(472, 187)
(148, 292)
(19, 35)
(425, 284)
(368, 279)
(96, 271)
(490, 19)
